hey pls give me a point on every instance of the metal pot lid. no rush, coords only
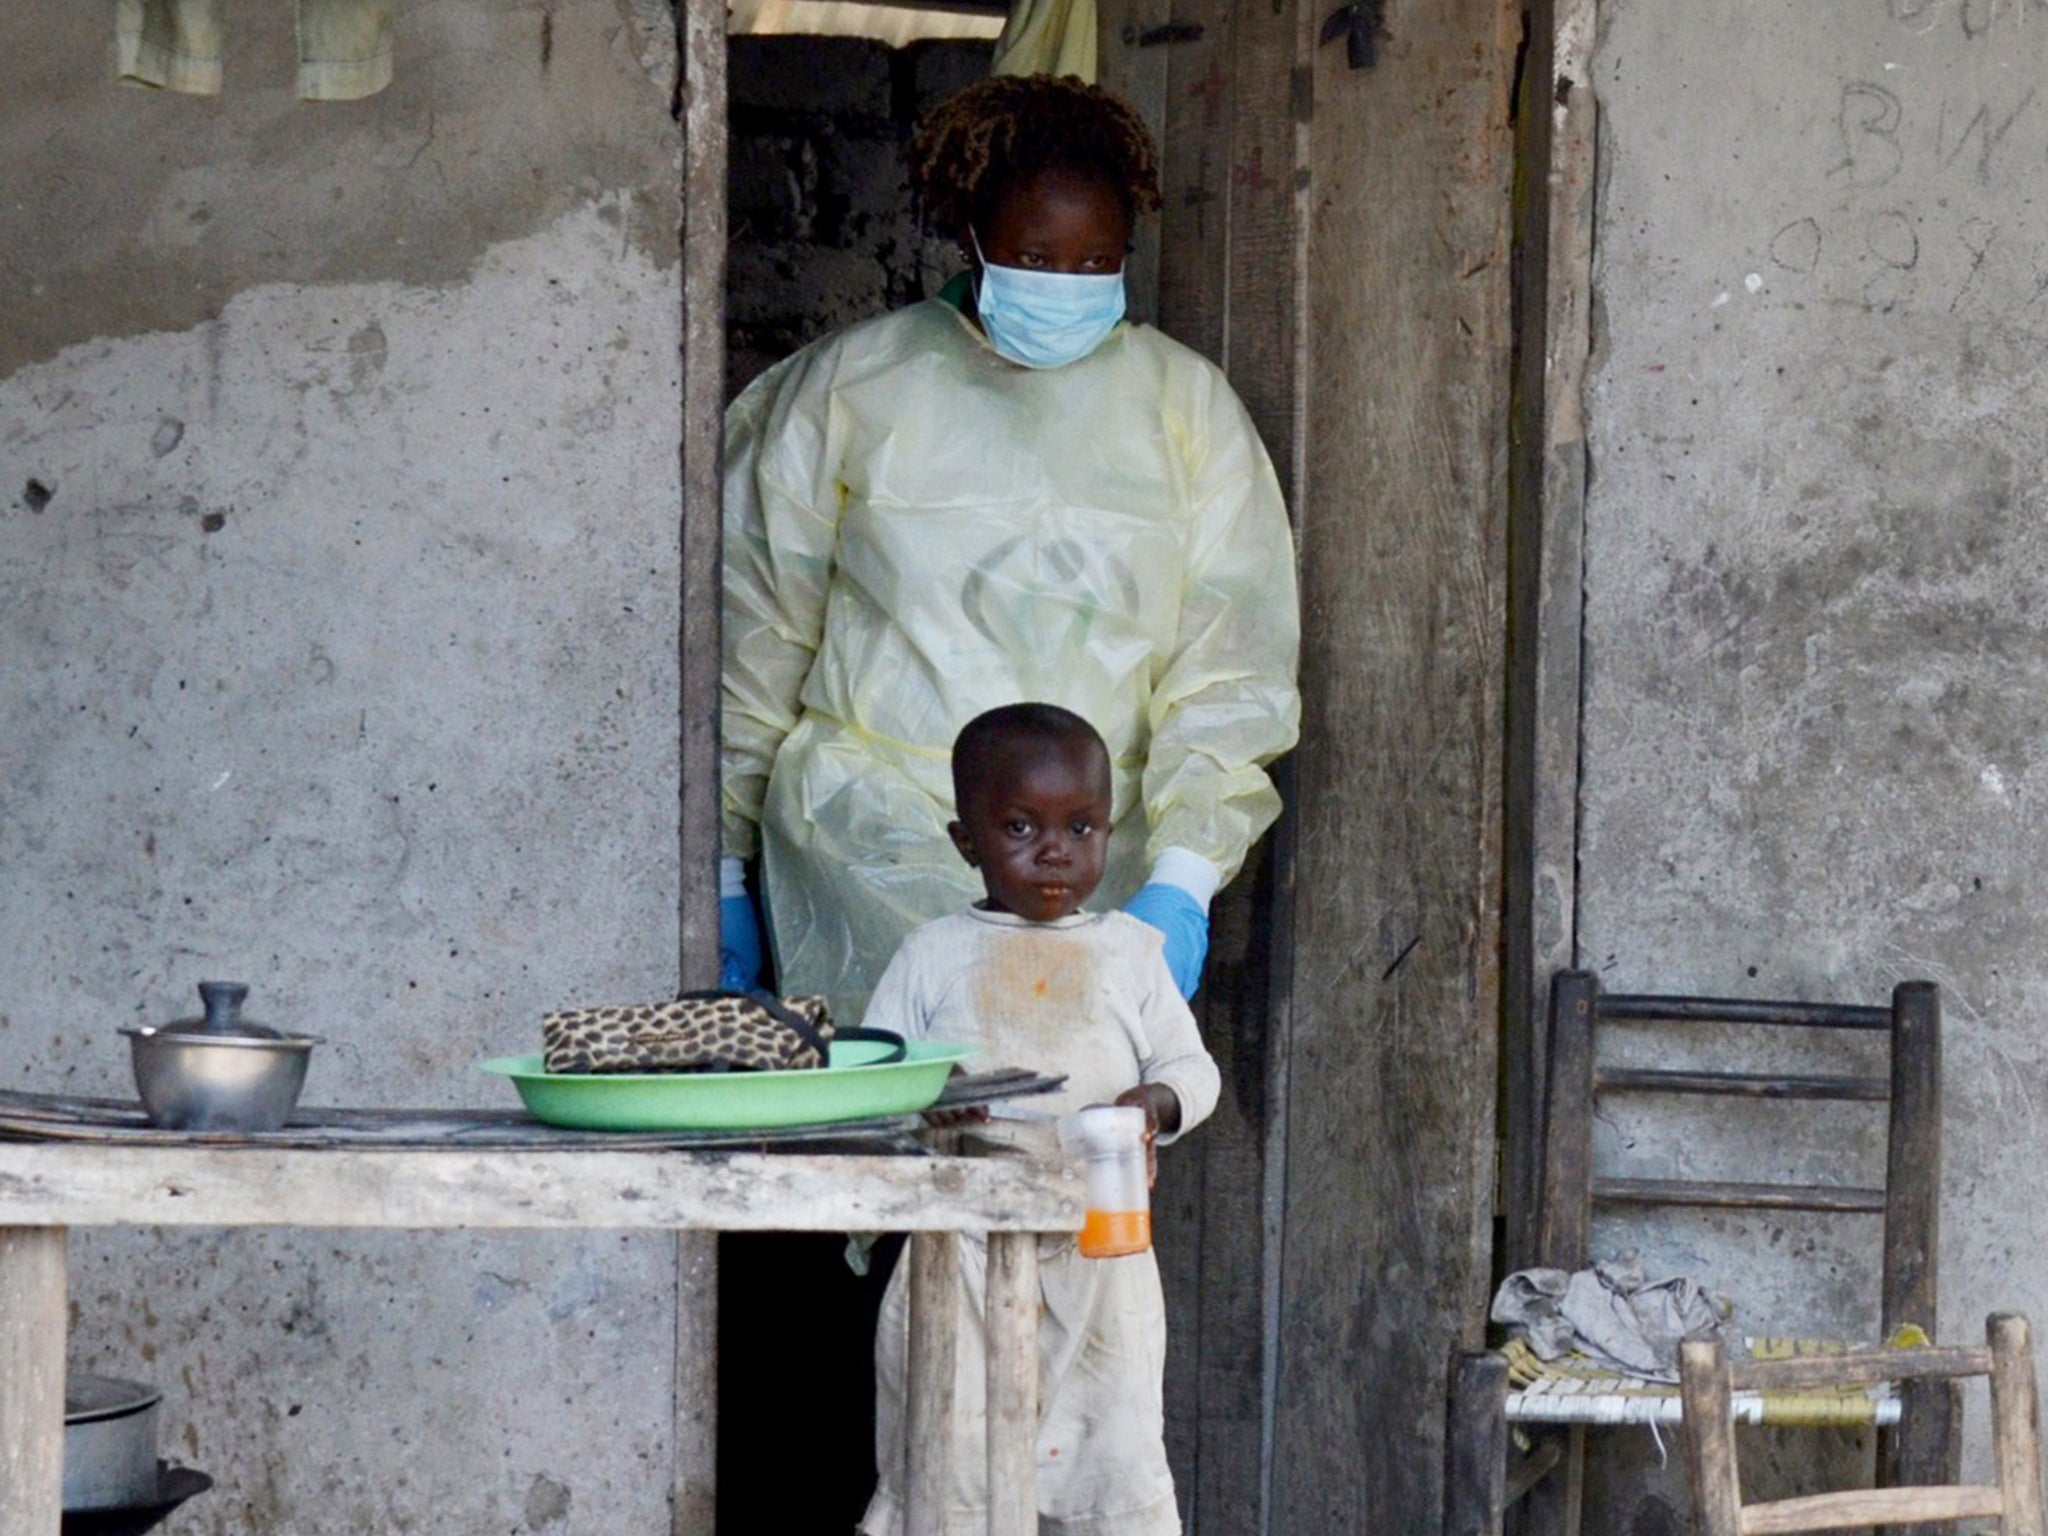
(88, 1398)
(105, 1397)
(223, 1017)
(179, 1035)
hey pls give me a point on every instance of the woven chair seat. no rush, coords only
(1575, 1390)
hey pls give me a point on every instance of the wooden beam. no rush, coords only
(1553, 210)
(1710, 1437)
(1395, 1000)
(32, 1336)
(933, 1353)
(1648, 1008)
(1855, 1507)
(1769, 1197)
(2016, 1424)
(1542, 1460)
(1266, 255)
(1476, 1488)
(45, 1184)
(1012, 1311)
(1862, 1368)
(1912, 1221)
(703, 114)
(701, 107)
(1138, 74)
(1200, 103)
(1748, 1085)
(694, 1457)
(1927, 1445)
(1557, 1223)
(1564, 1215)
(1230, 276)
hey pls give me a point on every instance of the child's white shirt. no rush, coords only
(1090, 997)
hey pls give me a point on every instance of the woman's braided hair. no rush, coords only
(978, 143)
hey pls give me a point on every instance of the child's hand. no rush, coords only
(1162, 1108)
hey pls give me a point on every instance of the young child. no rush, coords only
(1037, 982)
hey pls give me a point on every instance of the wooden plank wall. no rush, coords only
(1547, 494)
(1398, 871)
(1224, 274)
(1338, 240)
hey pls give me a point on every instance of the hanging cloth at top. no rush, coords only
(344, 46)
(1048, 37)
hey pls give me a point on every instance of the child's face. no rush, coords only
(1038, 828)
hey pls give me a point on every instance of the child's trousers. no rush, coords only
(1101, 1371)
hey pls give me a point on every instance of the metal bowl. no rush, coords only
(109, 1442)
(219, 1073)
(196, 1082)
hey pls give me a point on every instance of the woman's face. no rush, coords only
(1058, 221)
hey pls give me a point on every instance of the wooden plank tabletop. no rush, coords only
(72, 1184)
(71, 1161)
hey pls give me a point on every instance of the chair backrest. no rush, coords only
(1908, 1202)
(1708, 1379)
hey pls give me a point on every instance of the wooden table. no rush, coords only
(47, 1187)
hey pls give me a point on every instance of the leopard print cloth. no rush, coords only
(698, 1032)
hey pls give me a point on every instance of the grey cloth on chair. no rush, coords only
(1610, 1314)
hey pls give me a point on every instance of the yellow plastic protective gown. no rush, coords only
(917, 530)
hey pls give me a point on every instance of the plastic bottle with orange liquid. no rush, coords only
(1112, 1140)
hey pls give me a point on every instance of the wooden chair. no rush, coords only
(1709, 1380)
(1479, 1484)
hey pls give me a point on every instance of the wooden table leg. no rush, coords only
(1476, 1444)
(694, 1507)
(32, 1339)
(928, 1414)
(1012, 1384)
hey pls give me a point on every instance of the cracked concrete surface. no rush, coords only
(131, 210)
(338, 572)
(1816, 634)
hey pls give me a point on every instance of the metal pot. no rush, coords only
(109, 1443)
(219, 1072)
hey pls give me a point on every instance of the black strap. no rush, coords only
(807, 1032)
(782, 1013)
(888, 1037)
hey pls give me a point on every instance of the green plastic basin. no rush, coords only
(854, 1087)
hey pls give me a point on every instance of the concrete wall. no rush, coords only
(338, 517)
(1814, 752)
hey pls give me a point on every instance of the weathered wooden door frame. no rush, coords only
(1219, 82)
(1553, 208)
(1554, 198)
(1338, 239)
(701, 110)
(1258, 293)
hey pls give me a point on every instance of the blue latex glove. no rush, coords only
(1186, 925)
(739, 944)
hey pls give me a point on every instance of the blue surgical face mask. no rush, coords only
(1046, 319)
